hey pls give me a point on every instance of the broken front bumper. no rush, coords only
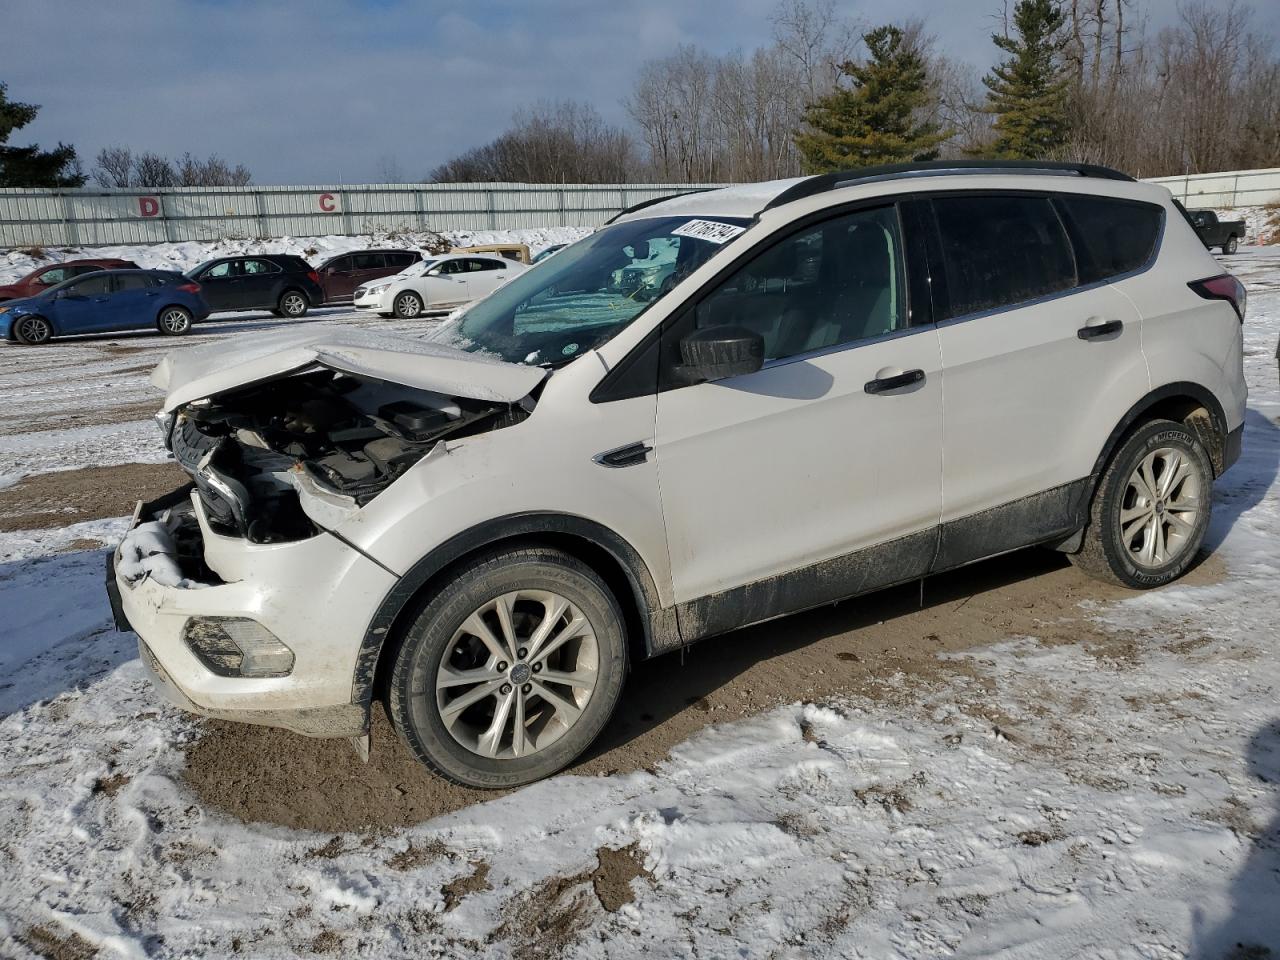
(316, 595)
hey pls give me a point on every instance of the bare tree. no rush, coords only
(389, 170)
(113, 167)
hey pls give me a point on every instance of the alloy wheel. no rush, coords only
(408, 306)
(174, 321)
(33, 330)
(294, 305)
(517, 674)
(1160, 507)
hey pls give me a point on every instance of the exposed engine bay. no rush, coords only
(280, 460)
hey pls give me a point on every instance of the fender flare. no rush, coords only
(1180, 388)
(658, 624)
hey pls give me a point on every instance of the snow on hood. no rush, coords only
(209, 369)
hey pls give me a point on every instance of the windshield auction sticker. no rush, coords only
(708, 230)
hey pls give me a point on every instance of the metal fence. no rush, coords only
(1235, 188)
(97, 217)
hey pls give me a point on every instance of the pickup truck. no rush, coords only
(1213, 232)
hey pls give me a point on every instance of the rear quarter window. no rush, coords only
(999, 251)
(1111, 237)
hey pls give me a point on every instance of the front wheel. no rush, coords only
(407, 305)
(293, 305)
(511, 670)
(174, 322)
(1231, 245)
(1151, 509)
(33, 330)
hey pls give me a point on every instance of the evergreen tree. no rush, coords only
(875, 120)
(31, 166)
(1028, 90)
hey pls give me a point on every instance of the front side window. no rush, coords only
(56, 275)
(838, 282)
(999, 251)
(1110, 236)
(220, 271)
(587, 293)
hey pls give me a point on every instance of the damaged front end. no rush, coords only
(281, 460)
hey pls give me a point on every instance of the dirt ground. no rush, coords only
(47, 500)
(862, 647)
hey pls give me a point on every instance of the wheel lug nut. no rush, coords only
(537, 668)
(527, 688)
(522, 653)
(505, 689)
(502, 665)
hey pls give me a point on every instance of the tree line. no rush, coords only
(1081, 80)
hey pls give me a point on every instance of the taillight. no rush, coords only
(190, 288)
(313, 276)
(1224, 287)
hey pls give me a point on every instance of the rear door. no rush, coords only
(258, 287)
(484, 275)
(818, 476)
(133, 301)
(1039, 363)
(366, 267)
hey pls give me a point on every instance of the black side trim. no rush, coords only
(658, 624)
(113, 596)
(1039, 518)
(1181, 388)
(874, 568)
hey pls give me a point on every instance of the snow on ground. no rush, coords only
(1126, 803)
(184, 255)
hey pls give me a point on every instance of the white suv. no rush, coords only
(437, 283)
(838, 383)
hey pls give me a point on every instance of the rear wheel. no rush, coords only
(1151, 509)
(1231, 244)
(293, 304)
(33, 330)
(407, 305)
(174, 321)
(511, 670)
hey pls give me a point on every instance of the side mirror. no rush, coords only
(714, 353)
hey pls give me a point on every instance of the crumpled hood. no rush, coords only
(210, 369)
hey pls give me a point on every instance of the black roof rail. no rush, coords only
(844, 178)
(649, 203)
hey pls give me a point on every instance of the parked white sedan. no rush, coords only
(436, 283)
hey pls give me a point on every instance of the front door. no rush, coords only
(818, 476)
(220, 286)
(84, 306)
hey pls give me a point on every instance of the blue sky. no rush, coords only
(320, 91)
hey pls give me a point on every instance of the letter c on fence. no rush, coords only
(149, 206)
(326, 203)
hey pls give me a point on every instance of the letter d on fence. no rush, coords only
(149, 206)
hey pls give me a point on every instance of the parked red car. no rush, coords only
(40, 279)
(340, 275)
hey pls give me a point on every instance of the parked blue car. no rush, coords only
(106, 300)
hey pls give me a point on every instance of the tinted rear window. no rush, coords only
(1111, 236)
(1001, 250)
